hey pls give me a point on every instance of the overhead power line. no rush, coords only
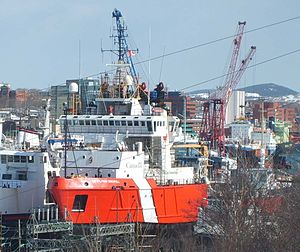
(254, 65)
(200, 45)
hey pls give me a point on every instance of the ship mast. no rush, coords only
(65, 106)
(123, 52)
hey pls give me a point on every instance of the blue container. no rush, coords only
(153, 95)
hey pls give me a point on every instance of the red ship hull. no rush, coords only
(109, 200)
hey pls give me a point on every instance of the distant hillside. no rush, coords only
(202, 91)
(269, 89)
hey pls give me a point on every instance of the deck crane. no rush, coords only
(214, 110)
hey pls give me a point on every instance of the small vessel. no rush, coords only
(125, 169)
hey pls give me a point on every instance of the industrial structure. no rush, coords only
(214, 111)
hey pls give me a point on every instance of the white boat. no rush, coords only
(24, 172)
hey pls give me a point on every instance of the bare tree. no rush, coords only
(248, 215)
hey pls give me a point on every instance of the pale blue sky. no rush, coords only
(39, 39)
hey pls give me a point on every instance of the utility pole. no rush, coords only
(19, 234)
(1, 238)
(262, 146)
(65, 136)
(184, 116)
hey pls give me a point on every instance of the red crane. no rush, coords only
(214, 110)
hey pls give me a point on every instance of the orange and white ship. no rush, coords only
(126, 168)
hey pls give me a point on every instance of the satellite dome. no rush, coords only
(73, 88)
(128, 80)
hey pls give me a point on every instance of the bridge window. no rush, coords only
(10, 158)
(6, 176)
(23, 159)
(3, 159)
(105, 123)
(75, 122)
(87, 122)
(117, 123)
(30, 159)
(129, 123)
(93, 122)
(81, 122)
(136, 123)
(79, 203)
(99, 122)
(123, 123)
(149, 126)
(172, 126)
(142, 123)
(22, 176)
(16, 159)
(176, 125)
(154, 125)
(111, 123)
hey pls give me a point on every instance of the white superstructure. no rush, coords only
(241, 131)
(24, 177)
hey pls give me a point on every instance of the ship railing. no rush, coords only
(187, 181)
(187, 161)
(46, 220)
(46, 213)
(11, 184)
(50, 212)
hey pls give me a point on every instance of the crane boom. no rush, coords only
(238, 74)
(214, 110)
(219, 94)
(235, 54)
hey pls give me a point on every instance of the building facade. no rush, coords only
(241, 131)
(236, 107)
(78, 103)
(276, 110)
(181, 104)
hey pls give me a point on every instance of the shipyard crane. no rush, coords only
(214, 110)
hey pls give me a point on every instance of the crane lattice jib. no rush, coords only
(238, 74)
(229, 79)
(123, 50)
